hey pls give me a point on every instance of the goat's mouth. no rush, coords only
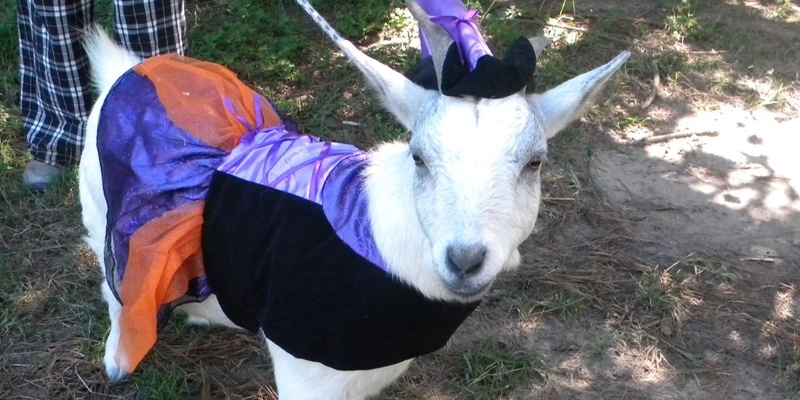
(466, 288)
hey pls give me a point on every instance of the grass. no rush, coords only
(682, 21)
(584, 274)
(491, 369)
(258, 41)
(158, 383)
(557, 302)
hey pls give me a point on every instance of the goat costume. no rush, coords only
(209, 190)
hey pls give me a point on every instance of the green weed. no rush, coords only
(783, 12)
(660, 294)
(565, 304)
(682, 21)
(632, 121)
(492, 369)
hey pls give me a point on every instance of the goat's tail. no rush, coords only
(108, 60)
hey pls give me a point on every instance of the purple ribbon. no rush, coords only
(460, 24)
(259, 114)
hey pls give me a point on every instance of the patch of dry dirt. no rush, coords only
(734, 196)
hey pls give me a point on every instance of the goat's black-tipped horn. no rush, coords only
(461, 59)
(431, 35)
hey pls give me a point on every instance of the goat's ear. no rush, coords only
(401, 97)
(566, 102)
(539, 43)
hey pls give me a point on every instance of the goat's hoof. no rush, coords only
(115, 374)
(197, 321)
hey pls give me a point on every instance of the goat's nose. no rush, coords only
(465, 259)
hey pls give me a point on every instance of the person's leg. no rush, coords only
(150, 27)
(55, 96)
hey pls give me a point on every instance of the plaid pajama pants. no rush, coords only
(55, 91)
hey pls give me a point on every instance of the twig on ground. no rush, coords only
(568, 27)
(674, 347)
(760, 259)
(41, 249)
(656, 89)
(678, 135)
(714, 52)
(82, 381)
(678, 262)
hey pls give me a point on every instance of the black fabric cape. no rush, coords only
(276, 264)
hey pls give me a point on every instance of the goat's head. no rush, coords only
(476, 160)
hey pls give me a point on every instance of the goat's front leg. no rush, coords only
(306, 380)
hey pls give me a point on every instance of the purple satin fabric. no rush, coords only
(459, 23)
(326, 173)
(345, 204)
(287, 161)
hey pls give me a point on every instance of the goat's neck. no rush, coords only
(398, 234)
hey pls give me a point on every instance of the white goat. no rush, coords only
(448, 210)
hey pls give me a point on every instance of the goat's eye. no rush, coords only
(417, 159)
(535, 163)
